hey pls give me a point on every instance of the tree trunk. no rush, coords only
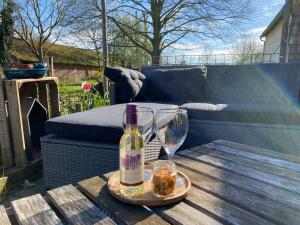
(98, 60)
(105, 44)
(156, 7)
(41, 53)
(155, 55)
(51, 66)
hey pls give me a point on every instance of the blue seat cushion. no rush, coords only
(179, 84)
(248, 113)
(102, 124)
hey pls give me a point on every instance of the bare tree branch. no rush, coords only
(137, 43)
(172, 20)
(40, 23)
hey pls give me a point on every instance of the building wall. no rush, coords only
(73, 72)
(272, 44)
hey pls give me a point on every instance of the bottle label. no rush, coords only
(132, 169)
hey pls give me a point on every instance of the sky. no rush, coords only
(263, 12)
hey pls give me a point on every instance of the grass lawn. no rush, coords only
(73, 87)
(70, 87)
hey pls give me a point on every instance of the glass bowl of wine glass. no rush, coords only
(171, 128)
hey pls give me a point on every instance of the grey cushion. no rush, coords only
(255, 83)
(180, 84)
(128, 83)
(248, 113)
(101, 125)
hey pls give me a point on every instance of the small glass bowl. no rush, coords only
(164, 177)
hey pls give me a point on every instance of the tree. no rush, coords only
(89, 36)
(172, 20)
(122, 49)
(88, 30)
(87, 26)
(248, 50)
(39, 23)
(6, 33)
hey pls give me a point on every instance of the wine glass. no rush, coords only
(171, 128)
(145, 119)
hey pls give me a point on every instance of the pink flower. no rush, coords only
(86, 87)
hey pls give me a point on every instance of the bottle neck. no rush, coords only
(131, 127)
(131, 119)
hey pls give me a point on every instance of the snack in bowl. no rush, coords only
(164, 177)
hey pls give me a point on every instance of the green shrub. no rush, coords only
(87, 100)
(95, 77)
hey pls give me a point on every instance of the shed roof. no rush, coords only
(62, 54)
(276, 19)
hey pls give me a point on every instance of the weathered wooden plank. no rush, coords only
(54, 99)
(16, 123)
(255, 156)
(34, 210)
(282, 182)
(4, 220)
(76, 208)
(96, 189)
(262, 151)
(106, 176)
(43, 95)
(182, 213)
(5, 137)
(264, 207)
(227, 212)
(278, 194)
(283, 172)
(43, 79)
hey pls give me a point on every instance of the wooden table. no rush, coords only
(231, 184)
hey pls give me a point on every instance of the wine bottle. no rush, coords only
(131, 156)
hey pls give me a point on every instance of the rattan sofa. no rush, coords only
(251, 104)
(255, 104)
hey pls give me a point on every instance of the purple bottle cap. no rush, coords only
(131, 113)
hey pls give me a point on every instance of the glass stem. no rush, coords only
(171, 157)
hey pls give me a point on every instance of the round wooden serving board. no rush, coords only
(183, 184)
